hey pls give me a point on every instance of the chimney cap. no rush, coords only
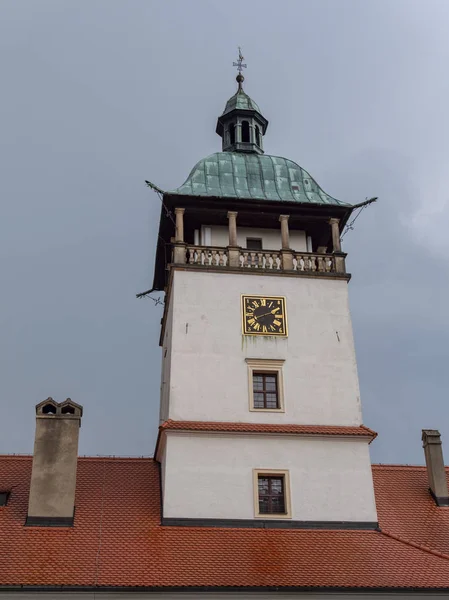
(431, 436)
(51, 408)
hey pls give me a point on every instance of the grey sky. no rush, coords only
(99, 95)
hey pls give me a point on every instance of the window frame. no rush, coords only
(264, 391)
(266, 367)
(285, 474)
(254, 239)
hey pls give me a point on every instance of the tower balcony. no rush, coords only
(271, 261)
(246, 249)
(250, 236)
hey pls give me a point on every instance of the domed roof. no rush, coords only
(240, 101)
(262, 177)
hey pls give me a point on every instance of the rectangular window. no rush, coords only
(254, 243)
(272, 494)
(266, 384)
(4, 498)
(265, 391)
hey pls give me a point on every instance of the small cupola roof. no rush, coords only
(240, 101)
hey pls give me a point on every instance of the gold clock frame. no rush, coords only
(259, 297)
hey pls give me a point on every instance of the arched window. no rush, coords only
(232, 133)
(245, 131)
(257, 135)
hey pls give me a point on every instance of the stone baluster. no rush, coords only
(320, 260)
(253, 259)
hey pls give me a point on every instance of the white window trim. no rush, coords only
(287, 498)
(266, 366)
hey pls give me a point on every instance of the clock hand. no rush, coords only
(264, 314)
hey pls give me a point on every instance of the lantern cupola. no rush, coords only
(242, 125)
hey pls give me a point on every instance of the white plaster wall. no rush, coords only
(211, 475)
(271, 238)
(166, 365)
(209, 379)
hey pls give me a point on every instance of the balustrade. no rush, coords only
(308, 262)
(260, 259)
(269, 260)
(207, 256)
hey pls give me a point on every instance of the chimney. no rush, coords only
(53, 476)
(433, 451)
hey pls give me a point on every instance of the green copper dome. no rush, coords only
(240, 101)
(262, 177)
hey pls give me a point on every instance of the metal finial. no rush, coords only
(240, 66)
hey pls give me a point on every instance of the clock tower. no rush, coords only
(260, 412)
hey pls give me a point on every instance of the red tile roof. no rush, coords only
(117, 539)
(269, 428)
(405, 508)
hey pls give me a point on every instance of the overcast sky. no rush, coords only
(99, 95)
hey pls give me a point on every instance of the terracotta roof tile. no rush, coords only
(117, 539)
(269, 428)
(405, 507)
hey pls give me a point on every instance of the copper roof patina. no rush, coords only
(240, 101)
(262, 177)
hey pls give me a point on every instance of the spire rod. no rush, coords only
(240, 66)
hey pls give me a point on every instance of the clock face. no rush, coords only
(264, 315)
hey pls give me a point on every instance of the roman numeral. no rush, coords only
(277, 323)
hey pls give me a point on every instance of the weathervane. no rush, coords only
(239, 64)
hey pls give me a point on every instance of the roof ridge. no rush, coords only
(99, 457)
(19, 456)
(415, 545)
(398, 466)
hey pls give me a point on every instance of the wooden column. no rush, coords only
(287, 256)
(285, 235)
(232, 217)
(336, 245)
(179, 236)
(339, 258)
(233, 249)
(179, 250)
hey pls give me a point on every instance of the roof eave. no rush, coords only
(244, 112)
